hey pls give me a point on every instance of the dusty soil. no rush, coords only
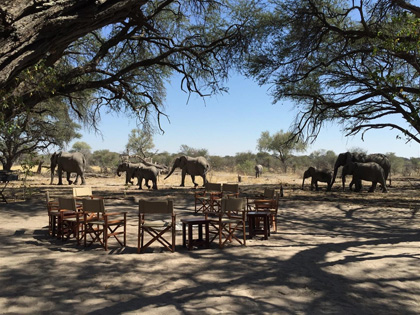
(334, 253)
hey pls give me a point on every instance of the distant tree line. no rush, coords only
(241, 163)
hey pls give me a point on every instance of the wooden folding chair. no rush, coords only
(156, 218)
(231, 219)
(207, 199)
(69, 222)
(268, 193)
(53, 214)
(101, 225)
(271, 205)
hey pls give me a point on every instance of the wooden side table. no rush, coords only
(254, 219)
(200, 222)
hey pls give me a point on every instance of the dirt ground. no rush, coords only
(334, 253)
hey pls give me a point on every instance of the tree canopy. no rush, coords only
(352, 62)
(107, 53)
(140, 142)
(281, 145)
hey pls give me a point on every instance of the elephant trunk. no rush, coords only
(118, 172)
(303, 181)
(336, 166)
(52, 173)
(170, 173)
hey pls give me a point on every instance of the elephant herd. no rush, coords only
(373, 167)
(76, 163)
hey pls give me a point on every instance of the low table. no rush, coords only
(200, 222)
(254, 220)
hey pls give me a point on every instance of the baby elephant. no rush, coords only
(148, 173)
(322, 175)
(370, 171)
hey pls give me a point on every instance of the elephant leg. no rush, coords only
(328, 187)
(204, 179)
(76, 181)
(351, 185)
(312, 184)
(183, 174)
(193, 180)
(373, 187)
(358, 185)
(146, 182)
(139, 182)
(60, 174)
(316, 185)
(384, 189)
(154, 184)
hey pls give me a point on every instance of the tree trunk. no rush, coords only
(32, 30)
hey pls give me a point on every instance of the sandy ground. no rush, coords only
(334, 253)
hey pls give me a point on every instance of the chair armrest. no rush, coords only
(114, 213)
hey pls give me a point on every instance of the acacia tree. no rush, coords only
(28, 132)
(353, 62)
(281, 145)
(120, 52)
(140, 142)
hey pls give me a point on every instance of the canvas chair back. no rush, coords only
(269, 193)
(213, 187)
(230, 190)
(156, 206)
(94, 206)
(82, 192)
(233, 205)
(67, 204)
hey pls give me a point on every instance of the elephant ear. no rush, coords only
(349, 157)
(182, 161)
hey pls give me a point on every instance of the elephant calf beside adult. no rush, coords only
(370, 171)
(147, 173)
(193, 166)
(129, 169)
(69, 163)
(317, 175)
(349, 157)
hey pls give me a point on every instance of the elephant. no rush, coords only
(370, 171)
(194, 166)
(258, 170)
(322, 175)
(148, 173)
(70, 163)
(129, 169)
(347, 157)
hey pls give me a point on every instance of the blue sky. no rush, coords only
(231, 123)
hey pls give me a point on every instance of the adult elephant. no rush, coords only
(70, 163)
(348, 157)
(258, 170)
(147, 173)
(193, 166)
(129, 169)
(317, 175)
(369, 171)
